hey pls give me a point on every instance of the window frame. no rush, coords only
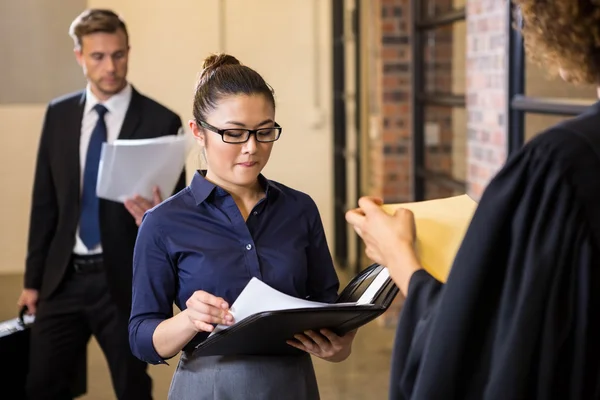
(420, 99)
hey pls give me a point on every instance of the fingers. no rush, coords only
(203, 326)
(31, 306)
(304, 343)
(137, 207)
(28, 300)
(204, 309)
(210, 299)
(370, 204)
(318, 339)
(312, 342)
(142, 203)
(334, 338)
(296, 344)
(355, 217)
(156, 196)
(404, 213)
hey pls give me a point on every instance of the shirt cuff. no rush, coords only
(143, 347)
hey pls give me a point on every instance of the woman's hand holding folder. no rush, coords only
(325, 344)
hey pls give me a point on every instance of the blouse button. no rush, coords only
(255, 213)
(248, 247)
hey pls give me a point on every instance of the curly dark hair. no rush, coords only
(563, 34)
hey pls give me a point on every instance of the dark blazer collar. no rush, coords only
(133, 115)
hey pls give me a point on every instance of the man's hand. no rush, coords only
(138, 205)
(29, 298)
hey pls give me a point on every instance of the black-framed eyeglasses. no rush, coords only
(238, 135)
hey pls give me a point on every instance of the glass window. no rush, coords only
(446, 141)
(539, 84)
(437, 190)
(537, 123)
(433, 8)
(444, 56)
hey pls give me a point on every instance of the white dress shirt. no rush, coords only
(117, 108)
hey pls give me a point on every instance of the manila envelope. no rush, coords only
(441, 226)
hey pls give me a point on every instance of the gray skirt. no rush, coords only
(244, 377)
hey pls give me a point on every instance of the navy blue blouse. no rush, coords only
(198, 240)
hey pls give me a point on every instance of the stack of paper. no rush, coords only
(133, 167)
(441, 227)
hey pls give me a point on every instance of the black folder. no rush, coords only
(266, 333)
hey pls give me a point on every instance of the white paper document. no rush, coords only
(130, 167)
(259, 297)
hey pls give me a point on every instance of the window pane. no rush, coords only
(446, 141)
(444, 56)
(436, 190)
(537, 123)
(432, 8)
(538, 84)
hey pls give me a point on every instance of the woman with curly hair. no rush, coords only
(519, 316)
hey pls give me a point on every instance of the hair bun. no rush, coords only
(215, 61)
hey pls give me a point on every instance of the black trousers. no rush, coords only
(63, 326)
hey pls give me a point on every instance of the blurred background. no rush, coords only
(403, 99)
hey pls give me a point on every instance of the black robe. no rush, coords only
(519, 316)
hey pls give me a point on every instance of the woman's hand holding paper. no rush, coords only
(204, 309)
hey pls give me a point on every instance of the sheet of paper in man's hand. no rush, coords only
(130, 167)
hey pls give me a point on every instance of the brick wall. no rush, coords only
(487, 49)
(438, 54)
(390, 154)
(391, 151)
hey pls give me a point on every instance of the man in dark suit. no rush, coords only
(79, 261)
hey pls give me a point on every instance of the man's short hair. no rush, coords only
(93, 21)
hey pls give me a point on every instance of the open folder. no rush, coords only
(266, 318)
(441, 226)
(130, 167)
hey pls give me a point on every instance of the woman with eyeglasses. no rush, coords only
(201, 247)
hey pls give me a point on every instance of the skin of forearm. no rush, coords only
(402, 264)
(173, 334)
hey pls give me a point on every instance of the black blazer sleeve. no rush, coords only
(44, 210)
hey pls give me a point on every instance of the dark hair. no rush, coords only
(563, 34)
(222, 76)
(93, 21)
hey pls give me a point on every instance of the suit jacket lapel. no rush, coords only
(132, 117)
(72, 144)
